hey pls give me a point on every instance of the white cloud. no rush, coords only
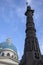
(20, 11)
(42, 48)
(41, 44)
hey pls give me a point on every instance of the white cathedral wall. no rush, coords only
(2, 64)
(5, 52)
(11, 53)
(9, 61)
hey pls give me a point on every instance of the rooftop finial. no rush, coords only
(27, 3)
(8, 40)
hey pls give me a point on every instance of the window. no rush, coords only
(12, 56)
(37, 55)
(2, 54)
(15, 57)
(8, 54)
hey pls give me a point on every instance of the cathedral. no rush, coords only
(8, 53)
(31, 55)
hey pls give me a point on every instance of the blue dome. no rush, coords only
(4, 45)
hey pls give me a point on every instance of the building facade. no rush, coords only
(8, 53)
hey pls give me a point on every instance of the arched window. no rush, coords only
(12, 56)
(2, 54)
(15, 57)
(8, 54)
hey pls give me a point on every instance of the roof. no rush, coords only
(10, 45)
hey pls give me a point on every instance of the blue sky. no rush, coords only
(13, 20)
